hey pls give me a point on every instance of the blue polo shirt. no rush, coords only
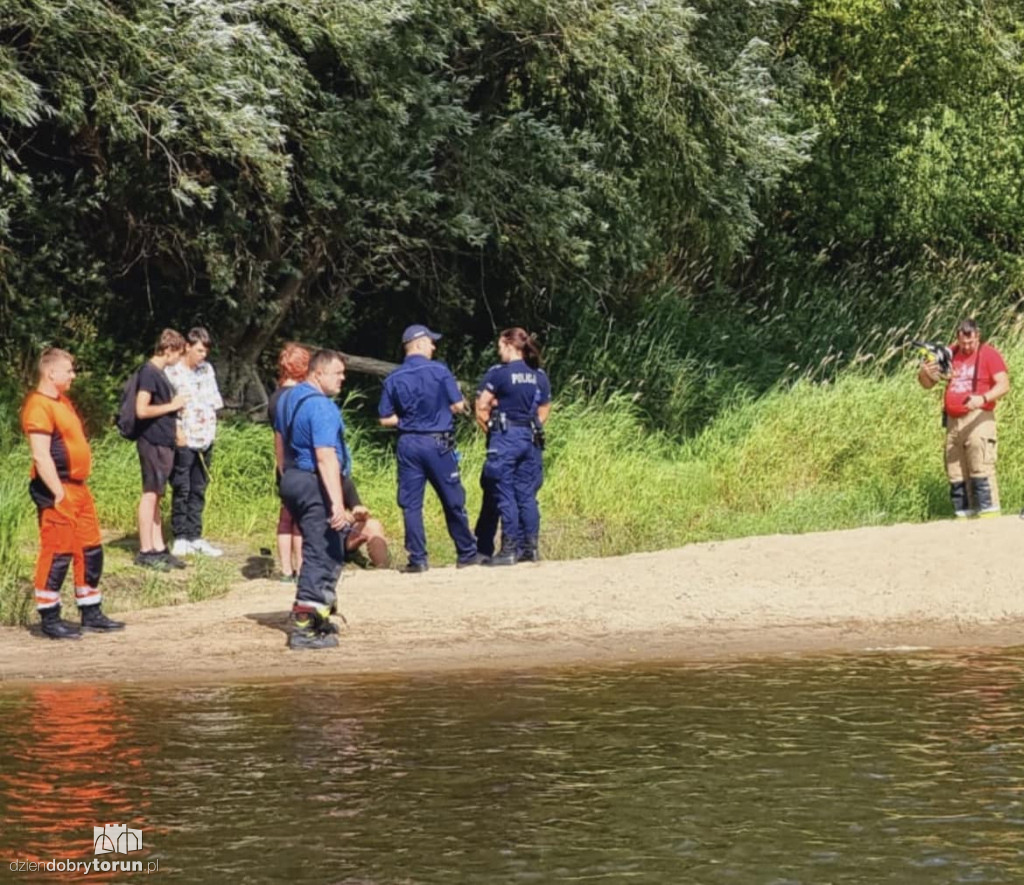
(308, 420)
(420, 392)
(519, 388)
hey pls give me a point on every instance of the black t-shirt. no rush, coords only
(157, 431)
(272, 404)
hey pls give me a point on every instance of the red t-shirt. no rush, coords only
(961, 380)
(58, 419)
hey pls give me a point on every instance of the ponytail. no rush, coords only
(522, 340)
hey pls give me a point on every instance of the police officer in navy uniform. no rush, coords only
(311, 488)
(512, 404)
(420, 399)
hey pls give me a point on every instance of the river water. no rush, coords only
(882, 768)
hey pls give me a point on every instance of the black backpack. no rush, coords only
(128, 424)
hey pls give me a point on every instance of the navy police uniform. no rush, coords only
(307, 420)
(420, 392)
(514, 470)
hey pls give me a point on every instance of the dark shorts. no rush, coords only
(157, 465)
(285, 524)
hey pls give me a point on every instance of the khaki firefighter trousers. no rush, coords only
(971, 450)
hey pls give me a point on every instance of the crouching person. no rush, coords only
(69, 532)
(313, 448)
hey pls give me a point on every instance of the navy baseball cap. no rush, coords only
(418, 331)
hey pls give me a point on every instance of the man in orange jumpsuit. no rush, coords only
(69, 531)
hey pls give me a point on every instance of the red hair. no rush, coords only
(293, 363)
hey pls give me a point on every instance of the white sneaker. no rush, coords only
(181, 547)
(206, 548)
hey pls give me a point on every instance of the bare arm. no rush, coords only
(144, 408)
(543, 412)
(458, 407)
(999, 389)
(390, 421)
(485, 403)
(330, 475)
(929, 375)
(46, 469)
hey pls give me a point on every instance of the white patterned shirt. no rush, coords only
(198, 420)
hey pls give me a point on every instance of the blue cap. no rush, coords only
(418, 331)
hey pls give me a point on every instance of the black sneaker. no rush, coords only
(414, 568)
(477, 559)
(151, 559)
(171, 560)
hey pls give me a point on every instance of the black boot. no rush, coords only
(530, 553)
(323, 624)
(981, 491)
(505, 556)
(54, 627)
(958, 496)
(312, 630)
(94, 619)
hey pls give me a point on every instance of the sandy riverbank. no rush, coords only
(942, 584)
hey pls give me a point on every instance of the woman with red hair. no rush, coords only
(292, 368)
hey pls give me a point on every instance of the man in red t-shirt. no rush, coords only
(69, 531)
(978, 378)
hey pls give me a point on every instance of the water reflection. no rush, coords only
(875, 769)
(70, 756)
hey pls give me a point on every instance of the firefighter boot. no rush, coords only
(93, 619)
(56, 628)
(505, 556)
(322, 622)
(308, 630)
(531, 552)
(958, 495)
(981, 491)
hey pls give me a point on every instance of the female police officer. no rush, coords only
(512, 405)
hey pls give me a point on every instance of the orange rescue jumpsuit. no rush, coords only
(69, 532)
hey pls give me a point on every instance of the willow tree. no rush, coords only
(343, 166)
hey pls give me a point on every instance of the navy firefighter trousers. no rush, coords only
(323, 548)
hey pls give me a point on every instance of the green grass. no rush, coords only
(15, 602)
(864, 449)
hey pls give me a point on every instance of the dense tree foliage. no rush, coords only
(648, 184)
(356, 164)
(918, 107)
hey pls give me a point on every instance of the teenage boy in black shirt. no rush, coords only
(156, 408)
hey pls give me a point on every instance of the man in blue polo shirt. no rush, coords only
(420, 399)
(314, 451)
